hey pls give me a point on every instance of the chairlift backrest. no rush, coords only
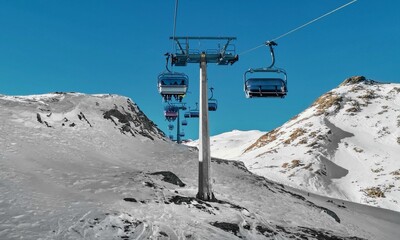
(265, 81)
(173, 78)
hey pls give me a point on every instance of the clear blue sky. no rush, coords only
(99, 46)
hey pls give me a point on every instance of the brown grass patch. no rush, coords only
(395, 90)
(293, 164)
(353, 80)
(370, 94)
(296, 163)
(374, 192)
(264, 140)
(295, 134)
(303, 141)
(326, 101)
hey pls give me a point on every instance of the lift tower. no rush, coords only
(221, 55)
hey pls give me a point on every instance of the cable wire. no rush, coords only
(174, 31)
(302, 26)
(312, 21)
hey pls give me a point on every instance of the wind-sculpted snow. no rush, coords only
(80, 111)
(345, 145)
(92, 181)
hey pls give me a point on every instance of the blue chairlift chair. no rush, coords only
(212, 102)
(194, 113)
(173, 84)
(265, 86)
(170, 112)
(184, 122)
(272, 83)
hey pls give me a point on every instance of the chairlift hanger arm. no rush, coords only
(167, 59)
(212, 93)
(271, 45)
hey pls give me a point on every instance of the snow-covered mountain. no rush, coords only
(76, 166)
(345, 145)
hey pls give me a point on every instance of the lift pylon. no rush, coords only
(221, 55)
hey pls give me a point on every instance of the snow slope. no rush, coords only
(346, 145)
(76, 166)
(230, 145)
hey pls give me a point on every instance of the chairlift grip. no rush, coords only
(270, 44)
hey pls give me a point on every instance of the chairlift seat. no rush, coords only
(265, 87)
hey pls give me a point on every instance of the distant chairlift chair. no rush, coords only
(184, 122)
(173, 84)
(171, 113)
(212, 102)
(194, 113)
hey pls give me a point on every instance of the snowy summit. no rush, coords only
(346, 145)
(77, 166)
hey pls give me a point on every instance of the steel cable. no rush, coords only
(300, 27)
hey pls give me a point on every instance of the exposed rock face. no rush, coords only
(83, 112)
(353, 80)
(133, 121)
